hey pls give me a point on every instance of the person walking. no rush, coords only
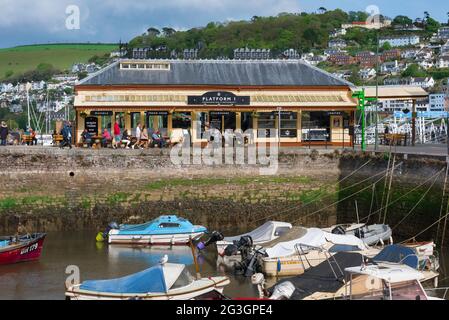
(66, 136)
(3, 133)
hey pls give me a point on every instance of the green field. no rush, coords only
(61, 56)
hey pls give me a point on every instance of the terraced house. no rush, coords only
(310, 105)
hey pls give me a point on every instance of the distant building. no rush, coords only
(436, 102)
(391, 54)
(367, 74)
(443, 62)
(443, 33)
(367, 25)
(141, 53)
(190, 54)
(400, 41)
(342, 59)
(425, 83)
(444, 50)
(252, 54)
(337, 43)
(291, 54)
(343, 74)
(118, 54)
(390, 67)
(409, 53)
(366, 59)
(337, 33)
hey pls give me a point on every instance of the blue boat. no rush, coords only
(165, 230)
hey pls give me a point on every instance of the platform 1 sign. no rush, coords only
(218, 98)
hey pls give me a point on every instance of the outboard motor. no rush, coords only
(101, 236)
(214, 237)
(338, 230)
(283, 291)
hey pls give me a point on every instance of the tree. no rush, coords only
(168, 32)
(153, 32)
(386, 46)
(413, 71)
(322, 10)
(402, 21)
(432, 25)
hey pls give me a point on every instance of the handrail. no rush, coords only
(446, 290)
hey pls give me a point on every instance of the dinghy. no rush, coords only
(19, 249)
(267, 232)
(371, 234)
(168, 230)
(165, 281)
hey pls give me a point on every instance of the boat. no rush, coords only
(295, 256)
(373, 234)
(20, 249)
(346, 275)
(164, 281)
(385, 282)
(265, 233)
(165, 230)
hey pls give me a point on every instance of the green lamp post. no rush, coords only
(362, 100)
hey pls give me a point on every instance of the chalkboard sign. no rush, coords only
(215, 121)
(91, 124)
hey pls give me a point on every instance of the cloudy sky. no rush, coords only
(44, 21)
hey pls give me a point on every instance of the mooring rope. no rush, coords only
(389, 188)
(402, 196)
(419, 201)
(442, 199)
(302, 206)
(337, 202)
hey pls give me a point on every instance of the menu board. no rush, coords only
(91, 124)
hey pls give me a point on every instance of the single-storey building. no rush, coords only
(310, 105)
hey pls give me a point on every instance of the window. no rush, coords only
(288, 124)
(203, 119)
(184, 279)
(267, 121)
(182, 120)
(169, 225)
(315, 126)
(281, 231)
(246, 121)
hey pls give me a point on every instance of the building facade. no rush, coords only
(310, 105)
(400, 41)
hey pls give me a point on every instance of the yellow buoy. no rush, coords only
(99, 237)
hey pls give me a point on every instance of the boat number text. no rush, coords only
(29, 249)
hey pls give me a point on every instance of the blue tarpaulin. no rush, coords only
(4, 243)
(149, 280)
(398, 254)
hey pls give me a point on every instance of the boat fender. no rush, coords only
(279, 265)
(99, 237)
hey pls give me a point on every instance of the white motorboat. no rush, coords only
(267, 232)
(165, 281)
(373, 234)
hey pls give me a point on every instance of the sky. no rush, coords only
(51, 21)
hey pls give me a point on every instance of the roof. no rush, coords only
(217, 72)
(396, 92)
(389, 273)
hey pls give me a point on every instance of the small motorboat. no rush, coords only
(165, 281)
(267, 232)
(371, 234)
(165, 230)
(20, 249)
(293, 257)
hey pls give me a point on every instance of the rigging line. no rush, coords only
(372, 198)
(444, 226)
(312, 201)
(389, 188)
(422, 231)
(341, 200)
(442, 199)
(385, 184)
(405, 194)
(419, 201)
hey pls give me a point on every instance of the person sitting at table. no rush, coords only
(144, 137)
(87, 138)
(126, 139)
(106, 138)
(157, 139)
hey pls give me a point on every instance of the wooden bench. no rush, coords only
(27, 139)
(395, 139)
(57, 139)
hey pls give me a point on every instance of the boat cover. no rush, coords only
(398, 254)
(4, 243)
(321, 278)
(157, 279)
(260, 234)
(314, 237)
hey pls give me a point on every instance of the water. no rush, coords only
(44, 279)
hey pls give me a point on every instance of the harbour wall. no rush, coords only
(51, 189)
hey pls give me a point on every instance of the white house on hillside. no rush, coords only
(400, 41)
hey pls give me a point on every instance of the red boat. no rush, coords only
(20, 249)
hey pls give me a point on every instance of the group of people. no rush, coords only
(15, 137)
(124, 138)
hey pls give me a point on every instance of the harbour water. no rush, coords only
(45, 279)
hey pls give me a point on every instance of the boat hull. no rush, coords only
(199, 288)
(22, 252)
(163, 239)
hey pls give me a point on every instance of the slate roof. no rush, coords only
(219, 72)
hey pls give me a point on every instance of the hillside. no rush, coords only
(18, 60)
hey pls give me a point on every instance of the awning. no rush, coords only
(395, 92)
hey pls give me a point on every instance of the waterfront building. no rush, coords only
(436, 101)
(400, 41)
(314, 107)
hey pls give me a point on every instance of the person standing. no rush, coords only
(66, 136)
(117, 137)
(3, 133)
(138, 134)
